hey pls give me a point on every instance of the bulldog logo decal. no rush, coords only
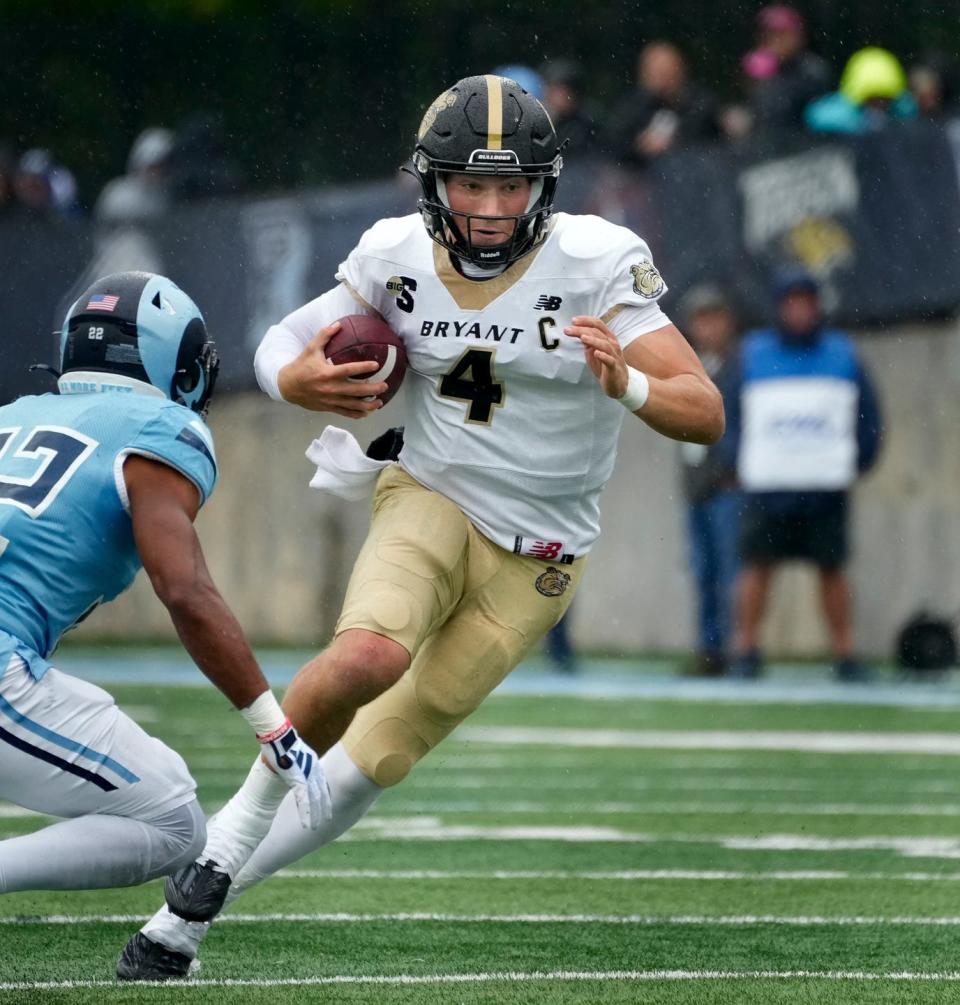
(647, 282)
(553, 582)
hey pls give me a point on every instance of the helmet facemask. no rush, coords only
(453, 230)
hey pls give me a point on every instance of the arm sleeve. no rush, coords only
(284, 342)
(628, 302)
(177, 437)
(869, 423)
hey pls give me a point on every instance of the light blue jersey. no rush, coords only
(66, 539)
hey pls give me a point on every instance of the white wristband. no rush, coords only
(637, 392)
(264, 714)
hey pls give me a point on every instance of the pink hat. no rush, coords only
(760, 64)
(780, 17)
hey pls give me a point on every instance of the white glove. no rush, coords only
(297, 763)
(292, 758)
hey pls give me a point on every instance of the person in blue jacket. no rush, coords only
(806, 423)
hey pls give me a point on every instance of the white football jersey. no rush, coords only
(504, 417)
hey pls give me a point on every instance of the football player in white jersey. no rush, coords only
(530, 336)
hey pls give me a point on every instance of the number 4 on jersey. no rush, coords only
(471, 379)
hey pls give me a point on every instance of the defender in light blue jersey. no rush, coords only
(64, 513)
(95, 482)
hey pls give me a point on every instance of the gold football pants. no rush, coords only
(465, 609)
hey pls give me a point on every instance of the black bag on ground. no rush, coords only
(926, 643)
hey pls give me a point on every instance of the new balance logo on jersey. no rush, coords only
(550, 551)
(548, 303)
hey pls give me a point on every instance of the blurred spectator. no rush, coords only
(8, 170)
(873, 93)
(201, 164)
(563, 98)
(665, 111)
(143, 193)
(737, 121)
(44, 187)
(526, 77)
(931, 81)
(784, 76)
(806, 422)
(710, 483)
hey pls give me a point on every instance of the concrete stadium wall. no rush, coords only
(282, 552)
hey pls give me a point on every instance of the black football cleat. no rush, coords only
(143, 959)
(196, 892)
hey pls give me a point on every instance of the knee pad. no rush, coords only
(181, 835)
(384, 750)
(392, 609)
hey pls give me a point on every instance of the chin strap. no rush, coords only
(44, 368)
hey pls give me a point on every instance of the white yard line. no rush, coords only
(493, 807)
(387, 817)
(512, 977)
(9, 811)
(344, 917)
(426, 828)
(910, 847)
(809, 741)
(590, 779)
(625, 875)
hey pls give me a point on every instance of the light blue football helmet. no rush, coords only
(142, 327)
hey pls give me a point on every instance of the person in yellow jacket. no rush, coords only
(873, 93)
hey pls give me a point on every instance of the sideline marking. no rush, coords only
(789, 684)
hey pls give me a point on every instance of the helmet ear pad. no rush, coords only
(196, 368)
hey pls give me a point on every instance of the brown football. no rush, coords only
(362, 337)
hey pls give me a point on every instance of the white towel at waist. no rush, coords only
(343, 469)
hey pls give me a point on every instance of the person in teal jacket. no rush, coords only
(873, 93)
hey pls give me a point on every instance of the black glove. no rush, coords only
(387, 446)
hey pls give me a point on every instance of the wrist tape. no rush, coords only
(637, 392)
(265, 716)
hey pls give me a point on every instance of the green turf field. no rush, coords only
(571, 850)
